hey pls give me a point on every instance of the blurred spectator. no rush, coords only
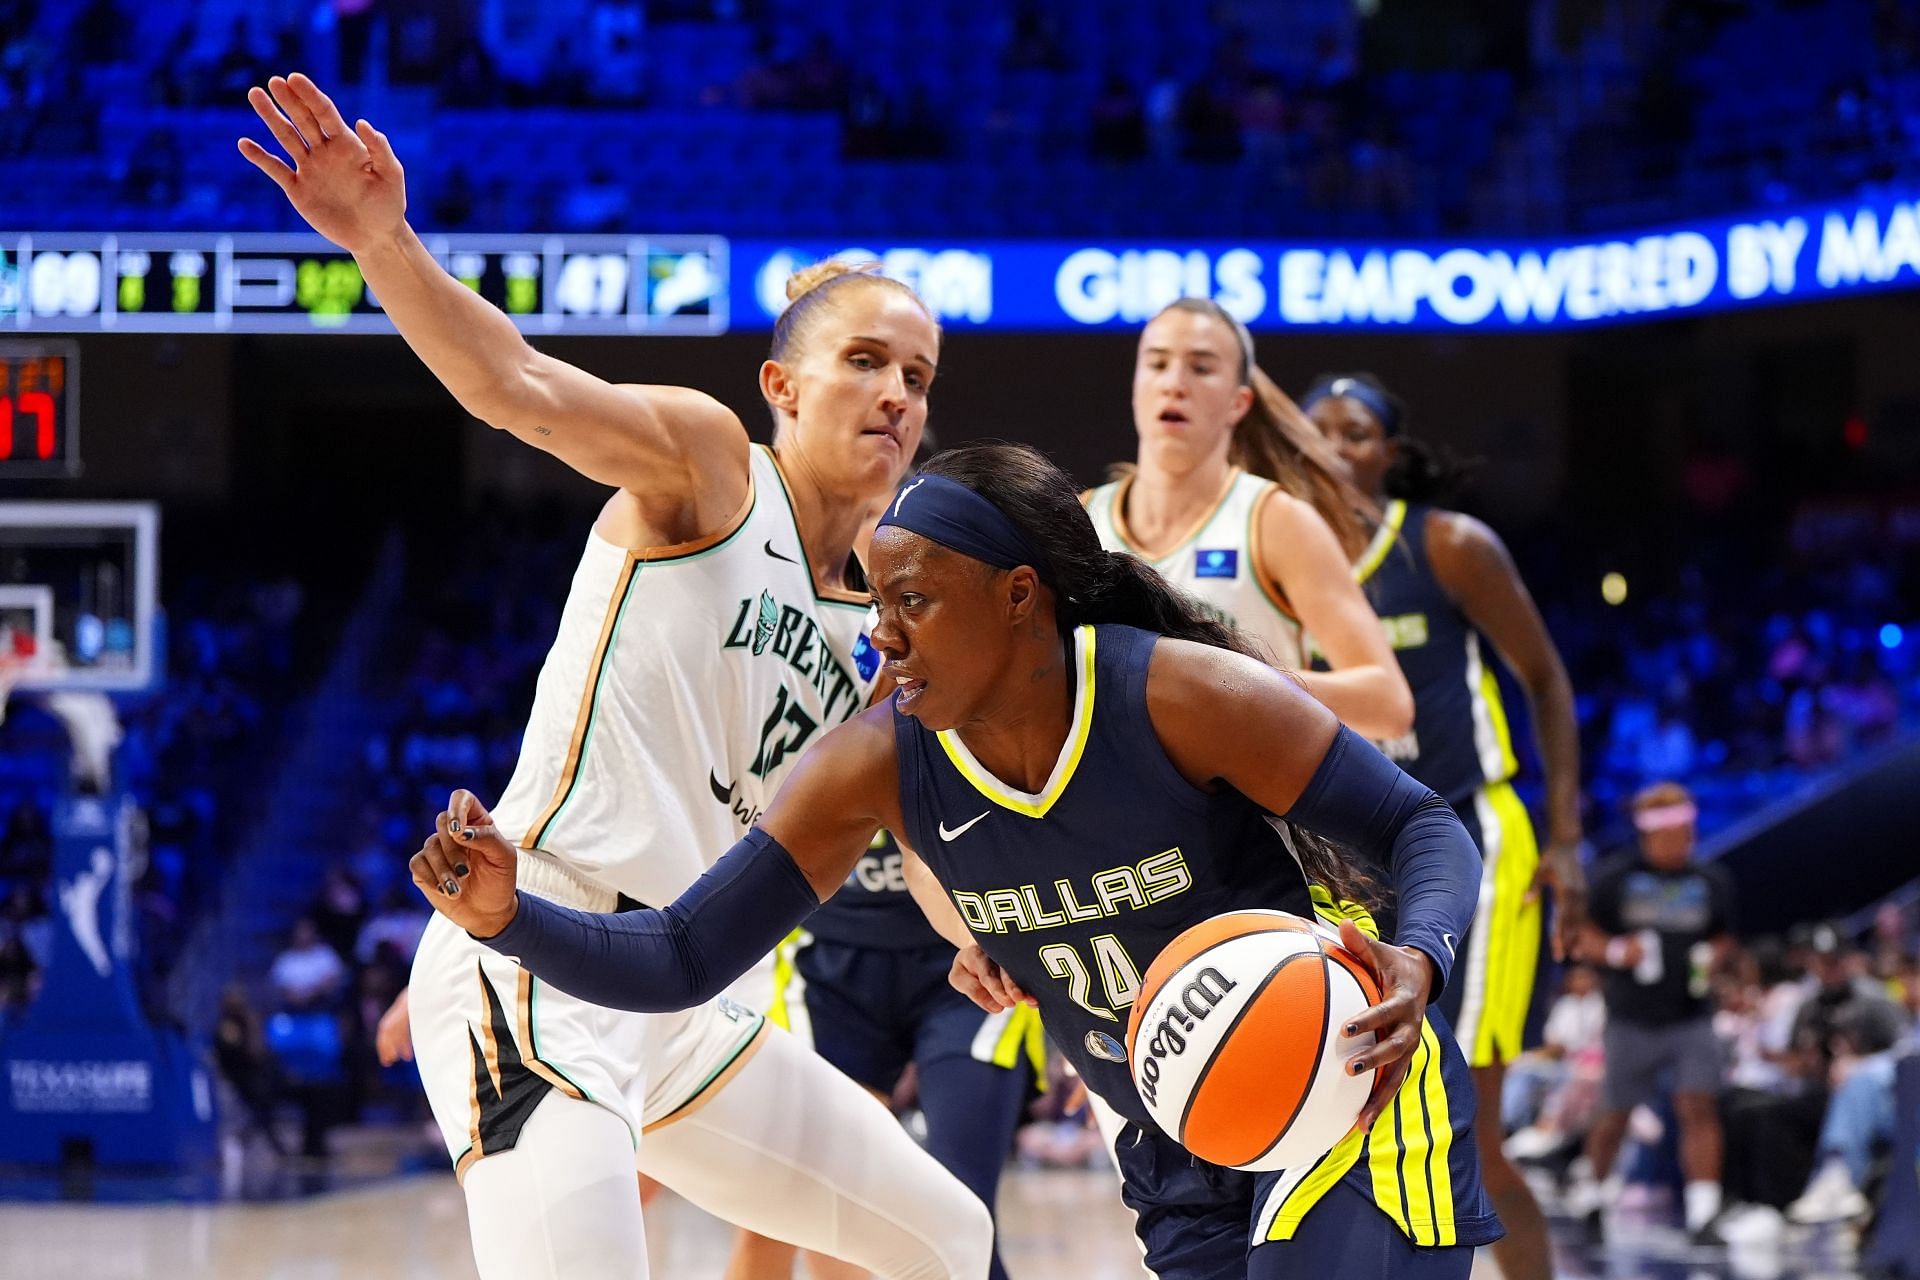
(820, 77)
(1119, 126)
(1551, 1093)
(26, 848)
(1657, 921)
(308, 974)
(1034, 42)
(396, 929)
(338, 910)
(240, 1052)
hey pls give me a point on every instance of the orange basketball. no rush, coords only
(1235, 1039)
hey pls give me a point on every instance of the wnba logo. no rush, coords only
(1198, 999)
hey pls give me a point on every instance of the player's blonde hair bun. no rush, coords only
(807, 279)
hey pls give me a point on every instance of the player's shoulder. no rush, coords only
(1191, 681)
(1460, 534)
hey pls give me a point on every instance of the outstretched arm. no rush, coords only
(1472, 564)
(673, 958)
(1225, 718)
(348, 184)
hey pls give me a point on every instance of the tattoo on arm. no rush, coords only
(543, 431)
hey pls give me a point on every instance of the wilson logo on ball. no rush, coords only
(1236, 1040)
(1198, 999)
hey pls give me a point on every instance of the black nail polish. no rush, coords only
(461, 869)
(1353, 1028)
(451, 888)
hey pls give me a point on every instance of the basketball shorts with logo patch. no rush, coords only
(870, 1011)
(1403, 1200)
(492, 1042)
(1491, 986)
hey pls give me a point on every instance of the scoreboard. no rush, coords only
(39, 408)
(245, 283)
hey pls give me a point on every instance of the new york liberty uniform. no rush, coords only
(681, 687)
(1076, 889)
(1216, 563)
(1461, 747)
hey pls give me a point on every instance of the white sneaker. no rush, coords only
(1830, 1197)
(1751, 1224)
(1533, 1142)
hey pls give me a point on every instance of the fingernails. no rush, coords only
(1356, 1065)
(1353, 1028)
(466, 833)
(451, 888)
(460, 869)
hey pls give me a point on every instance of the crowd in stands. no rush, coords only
(191, 760)
(824, 118)
(1810, 1029)
(1753, 674)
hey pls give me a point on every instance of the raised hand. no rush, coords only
(393, 1038)
(466, 869)
(345, 181)
(1405, 975)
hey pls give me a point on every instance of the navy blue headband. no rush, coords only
(1354, 389)
(955, 516)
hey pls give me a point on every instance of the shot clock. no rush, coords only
(39, 408)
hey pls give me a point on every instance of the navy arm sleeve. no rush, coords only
(1360, 799)
(674, 958)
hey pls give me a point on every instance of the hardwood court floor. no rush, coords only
(1057, 1226)
(1064, 1224)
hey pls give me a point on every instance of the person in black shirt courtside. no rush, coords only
(1659, 925)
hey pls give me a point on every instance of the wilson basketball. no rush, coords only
(1235, 1040)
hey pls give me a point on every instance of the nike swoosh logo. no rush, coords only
(1448, 939)
(776, 555)
(722, 791)
(960, 830)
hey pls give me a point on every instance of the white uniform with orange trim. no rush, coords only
(681, 688)
(1216, 562)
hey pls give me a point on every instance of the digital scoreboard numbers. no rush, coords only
(39, 408)
(301, 284)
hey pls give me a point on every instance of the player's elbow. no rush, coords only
(1389, 709)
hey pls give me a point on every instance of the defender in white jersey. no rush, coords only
(708, 637)
(1234, 498)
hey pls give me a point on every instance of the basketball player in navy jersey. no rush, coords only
(1089, 766)
(1439, 581)
(865, 983)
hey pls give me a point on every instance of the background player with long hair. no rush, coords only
(1060, 711)
(1439, 581)
(711, 630)
(1234, 499)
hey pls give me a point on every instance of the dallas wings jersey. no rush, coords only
(1215, 562)
(1460, 740)
(682, 686)
(1076, 889)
